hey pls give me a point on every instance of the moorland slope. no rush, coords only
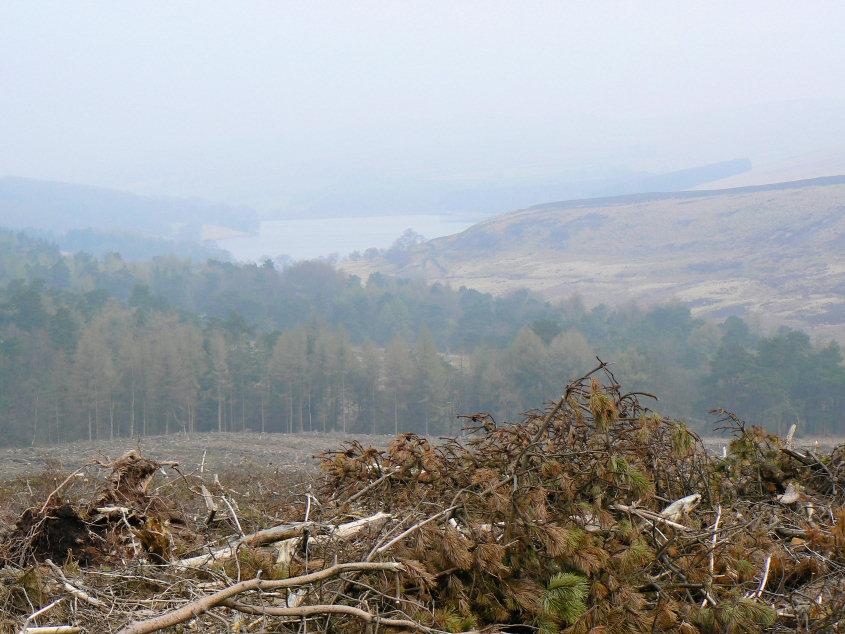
(774, 250)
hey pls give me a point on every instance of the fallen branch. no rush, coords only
(677, 509)
(72, 589)
(763, 581)
(210, 504)
(259, 538)
(356, 527)
(650, 516)
(413, 528)
(313, 610)
(38, 613)
(285, 532)
(235, 517)
(200, 606)
(367, 488)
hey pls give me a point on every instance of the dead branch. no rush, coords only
(210, 504)
(316, 610)
(259, 538)
(650, 516)
(72, 589)
(38, 613)
(200, 606)
(412, 529)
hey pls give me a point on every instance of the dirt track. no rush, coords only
(222, 451)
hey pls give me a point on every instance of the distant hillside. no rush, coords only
(775, 250)
(800, 167)
(61, 207)
(464, 192)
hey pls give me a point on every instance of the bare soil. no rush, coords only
(283, 452)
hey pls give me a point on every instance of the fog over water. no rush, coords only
(305, 238)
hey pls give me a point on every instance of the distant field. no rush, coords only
(825, 445)
(222, 451)
(231, 450)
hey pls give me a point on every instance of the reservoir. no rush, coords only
(308, 238)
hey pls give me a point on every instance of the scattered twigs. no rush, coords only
(594, 504)
(62, 485)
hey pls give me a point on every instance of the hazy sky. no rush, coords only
(247, 101)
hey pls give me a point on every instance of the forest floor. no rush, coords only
(230, 450)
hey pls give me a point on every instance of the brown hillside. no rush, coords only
(774, 250)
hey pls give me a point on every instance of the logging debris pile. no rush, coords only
(594, 515)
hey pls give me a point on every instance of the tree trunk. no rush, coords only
(35, 421)
(96, 415)
(262, 411)
(219, 412)
(132, 408)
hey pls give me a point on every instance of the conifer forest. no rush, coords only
(102, 348)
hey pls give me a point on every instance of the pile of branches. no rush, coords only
(593, 515)
(599, 515)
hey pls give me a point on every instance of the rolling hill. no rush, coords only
(777, 251)
(27, 203)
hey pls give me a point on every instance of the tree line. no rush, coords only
(94, 348)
